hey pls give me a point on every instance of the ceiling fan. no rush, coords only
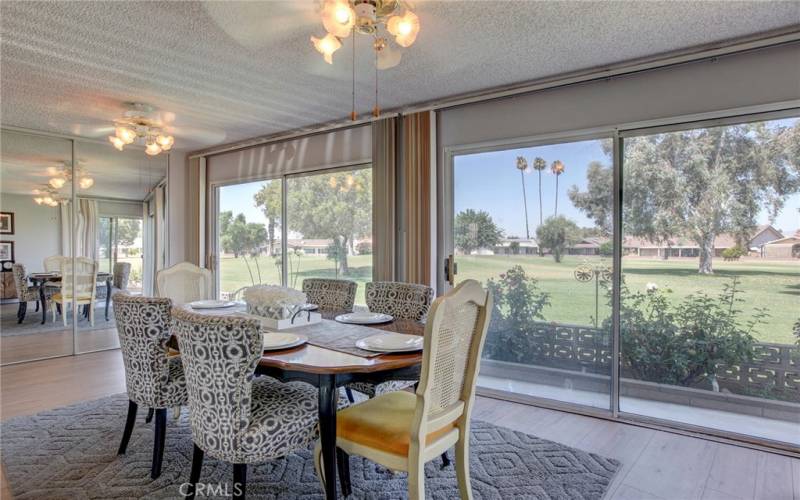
(145, 124)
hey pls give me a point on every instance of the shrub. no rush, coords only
(733, 253)
(364, 248)
(518, 303)
(607, 249)
(686, 344)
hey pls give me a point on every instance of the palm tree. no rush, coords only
(557, 168)
(539, 164)
(522, 166)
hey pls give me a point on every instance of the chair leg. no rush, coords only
(37, 307)
(318, 464)
(416, 480)
(126, 435)
(445, 461)
(349, 395)
(23, 307)
(149, 417)
(158, 442)
(91, 314)
(343, 464)
(239, 481)
(64, 314)
(462, 467)
(197, 466)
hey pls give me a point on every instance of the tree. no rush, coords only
(333, 206)
(269, 199)
(698, 183)
(539, 164)
(522, 166)
(557, 234)
(557, 168)
(475, 229)
(241, 238)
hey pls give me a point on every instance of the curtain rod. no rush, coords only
(693, 55)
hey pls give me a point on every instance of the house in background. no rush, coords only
(516, 246)
(783, 248)
(683, 246)
(588, 246)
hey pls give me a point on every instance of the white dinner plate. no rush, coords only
(273, 341)
(364, 318)
(211, 304)
(391, 342)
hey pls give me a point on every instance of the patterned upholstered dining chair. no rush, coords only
(152, 379)
(331, 295)
(234, 416)
(402, 431)
(25, 293)
(403, 301)
(119, 279)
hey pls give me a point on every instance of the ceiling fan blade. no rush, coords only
(258, 24)
(91, 130)
(197, 134)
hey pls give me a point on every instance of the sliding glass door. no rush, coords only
(520, 227)
(705, 228)
(710, 306)
(328, 230)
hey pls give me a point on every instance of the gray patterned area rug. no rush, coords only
(70, 453)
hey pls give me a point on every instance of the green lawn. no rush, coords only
(234, 272)
(135, 278)
(772, 285)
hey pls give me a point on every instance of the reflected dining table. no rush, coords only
(40, 279)
(329, 369)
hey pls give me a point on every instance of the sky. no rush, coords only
(490, 181)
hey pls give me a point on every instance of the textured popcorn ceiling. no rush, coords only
(233, 70)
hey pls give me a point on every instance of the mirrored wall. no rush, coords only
(80, 220)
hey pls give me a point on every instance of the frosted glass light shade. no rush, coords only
(404, 28)
(326, 46)
(338, 18)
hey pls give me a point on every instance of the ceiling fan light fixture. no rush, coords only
(57, 182)
(404, 28)
(338, 18)
(165, 142)
(326, 46)
(86, 182)
(152, 148)
(117, 142)
(126, 134)
(38, 200)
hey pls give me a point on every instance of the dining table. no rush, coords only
(41, 279)
(329, 368)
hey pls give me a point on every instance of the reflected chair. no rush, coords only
(53, 264)
(236, 417)
(25, 293)
(119, 281)
(408, 301)
(152, 379)
(331, 295)
(402, 431)
(83, 289)
(184, 283)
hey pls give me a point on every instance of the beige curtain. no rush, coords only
(416, 202)
(383, 199)
(86, 229)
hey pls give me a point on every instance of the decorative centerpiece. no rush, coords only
(280, 307)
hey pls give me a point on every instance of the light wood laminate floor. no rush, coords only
(656, 464)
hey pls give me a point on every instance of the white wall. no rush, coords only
(37, 230)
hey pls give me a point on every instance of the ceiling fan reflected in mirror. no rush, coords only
(381, 20)
(140, 123)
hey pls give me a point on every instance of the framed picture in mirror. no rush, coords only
(6, 222)
(6, 254)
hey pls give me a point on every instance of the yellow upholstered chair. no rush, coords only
(403, 430)
(84, 289)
